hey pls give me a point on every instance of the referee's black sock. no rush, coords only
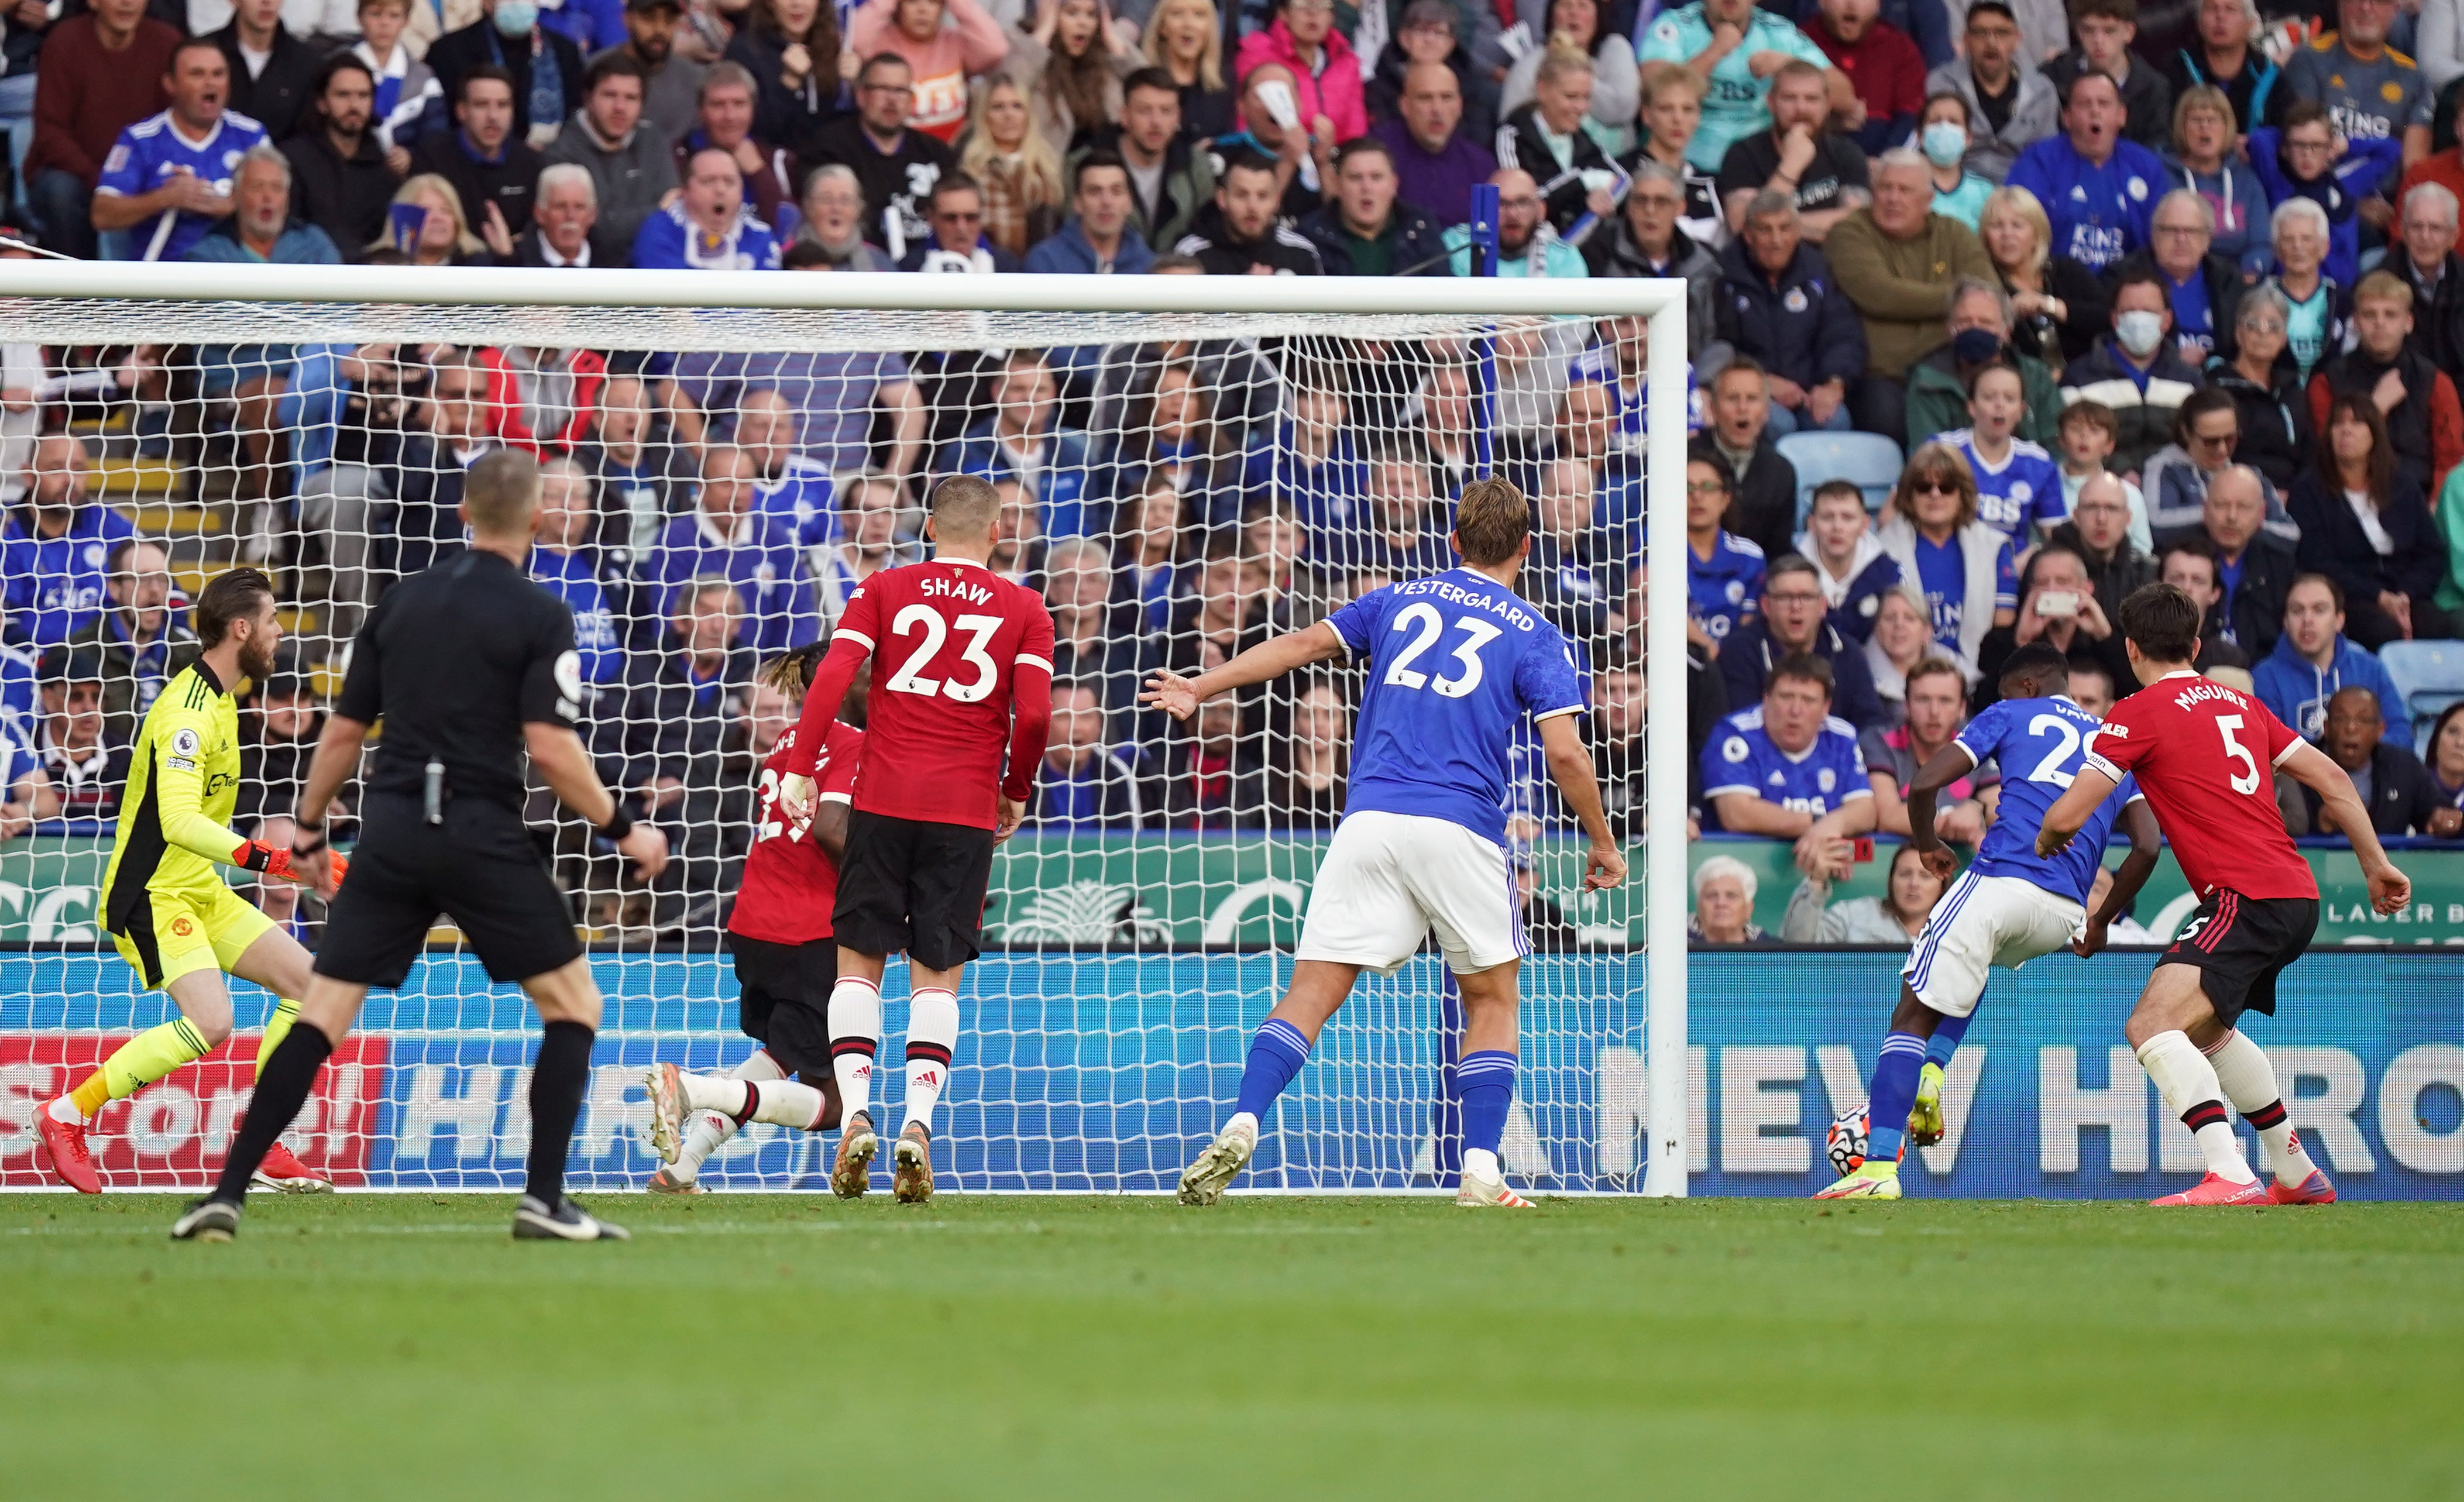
(282, 1086)
(558, 1081)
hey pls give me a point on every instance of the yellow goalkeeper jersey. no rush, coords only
(175, 813)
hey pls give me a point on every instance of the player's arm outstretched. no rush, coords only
(2146, 844)
(1269, 660)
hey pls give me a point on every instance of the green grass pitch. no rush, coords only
(402, 1346)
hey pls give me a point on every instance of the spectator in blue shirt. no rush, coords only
(2098, 190)
(2314, 658)
(787, 487)
(723, 538)
(1085, 786)
(169, 177)
(1723, 574)
(710, 226)
(1777, 768)
(140, 639)
(1020, 441)
(56, 546)
(1314, 462)
(1962, 564)
(563, 561)
(1099, 237)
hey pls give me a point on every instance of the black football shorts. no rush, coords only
(479, 868)
(2241, 944)
(912, 887)
(783, 998)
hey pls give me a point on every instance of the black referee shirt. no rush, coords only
(456, 661)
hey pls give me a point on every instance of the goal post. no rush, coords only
(1365, 341)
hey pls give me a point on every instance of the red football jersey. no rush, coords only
(950, 643)
(789, 885)
(2204, 756)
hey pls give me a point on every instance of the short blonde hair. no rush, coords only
(2022, 203)
(1658, 76)
(2384, 286)
(1210, 62)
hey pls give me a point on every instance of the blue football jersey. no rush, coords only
(1725, 590)
(1457, 663)
(150, 153)
(801, 501)
(2040, 744)
(2026, 490)
(1740, 758)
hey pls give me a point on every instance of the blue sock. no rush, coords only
(1485, 1081)
(1944, 1041)
(1893, 1091)
(1275, 1055)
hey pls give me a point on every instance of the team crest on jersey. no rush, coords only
(1794, 302)
(1736, 592)
(2392, 92)
(2022, 492)
(1735, 749)
(2138, 189)
(1826, 779)
(94, 556)
(182, 927)
(183, 742)
(1665, 30)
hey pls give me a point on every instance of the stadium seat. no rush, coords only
(2430, 675)
(1868, 460)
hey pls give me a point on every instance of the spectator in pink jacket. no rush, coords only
(1326, 72)
(944, 41)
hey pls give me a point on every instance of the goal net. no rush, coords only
(1187, 466)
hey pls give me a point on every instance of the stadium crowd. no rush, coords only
(2123, 297)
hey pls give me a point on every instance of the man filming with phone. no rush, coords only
(2057, 605)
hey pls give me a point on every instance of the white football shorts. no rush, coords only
(1389, 878)
(1982, 921)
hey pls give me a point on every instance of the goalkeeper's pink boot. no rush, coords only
(284, 1174)
(2215, 1190)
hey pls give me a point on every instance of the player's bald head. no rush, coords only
(500, 495)
(963, 509)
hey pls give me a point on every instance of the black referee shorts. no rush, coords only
(2240, 945)
(783, 998)
(478, 867)
(908, 886)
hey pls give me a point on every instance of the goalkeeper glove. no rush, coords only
(258, 856)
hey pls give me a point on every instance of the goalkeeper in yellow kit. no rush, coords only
(165, 907)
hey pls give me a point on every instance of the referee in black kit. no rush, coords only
(467, 663)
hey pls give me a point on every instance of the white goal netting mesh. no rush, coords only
(1178, 487)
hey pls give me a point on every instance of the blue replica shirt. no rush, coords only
(2027, 489)
(1733, 107)
(759, 557)
(1457, 663)
(2040, 744)
(54, 585)
(17, 697)
(2099, 214)
(801, 501)
(1826, 775)
(152, 152)
(1725, 590)
(2195, 323)
(1942, 573)
(571, 578)
(670, 241)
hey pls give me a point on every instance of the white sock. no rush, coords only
(931, 1037)
(2187, 1082)
(1478, 1163)
(855, 1036)
(65, 1109)
(784, 1102)
(1243, 1121)
(709, 1131)
(2249, 1081)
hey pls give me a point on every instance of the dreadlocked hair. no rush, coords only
(791, 672)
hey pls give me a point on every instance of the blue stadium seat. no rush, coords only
(2430, 675)
(1868, 460)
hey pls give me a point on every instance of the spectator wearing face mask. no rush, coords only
(2136, 370)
